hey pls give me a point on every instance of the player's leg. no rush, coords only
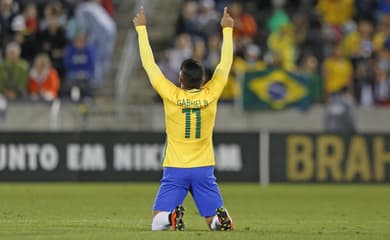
(163, 220)
(208, 199)
(167, 209)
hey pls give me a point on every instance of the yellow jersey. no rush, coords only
(189, 114)
(338, 74)
(336, 12)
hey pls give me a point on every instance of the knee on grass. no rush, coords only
(160, 221)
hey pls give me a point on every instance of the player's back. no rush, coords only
(190, 118)
(189, 114)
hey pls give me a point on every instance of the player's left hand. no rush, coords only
(140, 19)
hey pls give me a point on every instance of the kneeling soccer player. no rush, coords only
(190, 117)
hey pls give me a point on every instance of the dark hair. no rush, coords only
(191, 74)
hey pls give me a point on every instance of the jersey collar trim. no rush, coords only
(193, 90)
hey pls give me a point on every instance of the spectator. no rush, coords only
(359, 47)
(101, 32)
(181, 51)
(43, 83)
(283, 43)
(250, 62)
(340, 116)
(279, 17)
(13, 73)
(359, 44)
(199, 52)
(335, 15)
(213, 54)
(31, 18)
(80, 65)
(187, 22)
(273, 60)
(310, 71)
(382, 88)
(26, 21)
(6, 17)
(382, 33)
(307, 30)
(167, 69)
(338, 72)
(245, 25)
(73, 27)
(301, 30)
(208, 19)
(25, 27)
(54, 8)
(363, 83)
(53, 42)
(382, 83)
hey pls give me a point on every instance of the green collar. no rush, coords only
(194, 90)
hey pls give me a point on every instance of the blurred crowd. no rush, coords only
(51, 48)
(336, 45)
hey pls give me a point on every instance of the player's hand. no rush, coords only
(140, 19)
(227, 20)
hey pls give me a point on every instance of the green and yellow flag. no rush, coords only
(275, 89)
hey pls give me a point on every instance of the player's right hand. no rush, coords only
(140, 19)
(227, 20)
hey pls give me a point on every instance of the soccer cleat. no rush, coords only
(177, 223)
(224, 219)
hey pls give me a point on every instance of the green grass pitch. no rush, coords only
(122, 211)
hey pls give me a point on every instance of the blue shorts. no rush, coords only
(200, 182)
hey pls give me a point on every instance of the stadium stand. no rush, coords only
(279, 34)
(288, 35)
(48, 26)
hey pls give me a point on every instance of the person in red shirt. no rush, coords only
(43, 82)
(109, 6)
(245, 25)
(31, 18)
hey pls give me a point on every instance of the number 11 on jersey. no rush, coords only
(188, 115)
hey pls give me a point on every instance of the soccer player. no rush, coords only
(190, 117)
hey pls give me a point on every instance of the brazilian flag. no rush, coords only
(275, 89)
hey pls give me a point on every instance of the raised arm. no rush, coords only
(162, 85)
(221, 74)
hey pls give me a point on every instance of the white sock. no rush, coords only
(161, 221)
(215, 224)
